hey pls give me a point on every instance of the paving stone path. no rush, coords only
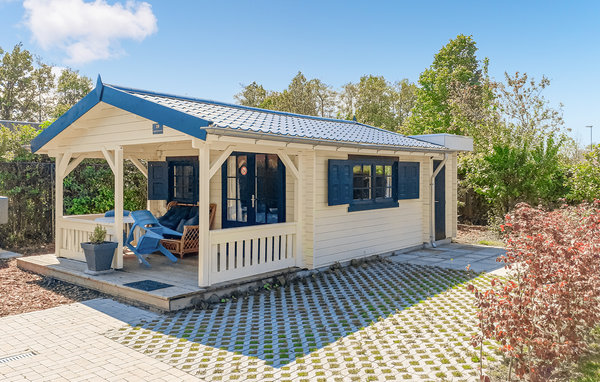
(389, 320)
(68, 344)
(398, 319)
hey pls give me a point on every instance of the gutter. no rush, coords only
(316, 141)
(432, 196)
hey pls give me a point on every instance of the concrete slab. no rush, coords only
(8, 255)
(455, 256)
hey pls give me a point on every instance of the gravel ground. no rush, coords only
(22, 291)
(477, 234)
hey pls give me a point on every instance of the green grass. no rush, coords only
(492, 243)
(590, 370)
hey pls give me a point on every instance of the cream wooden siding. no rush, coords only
(308, 163)
(341, 235)
(451, 196)
(107, 125)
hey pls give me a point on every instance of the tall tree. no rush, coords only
(374, 104)
(70, 88)
(21, 84)
(525, 109)
(253, 95)
(302, 96)
(324, 96)
(455, 69)
(404, 96)
(297, 98)
(347, 101)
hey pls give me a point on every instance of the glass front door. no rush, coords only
(253, 190)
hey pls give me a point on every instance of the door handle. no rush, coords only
(253, 199)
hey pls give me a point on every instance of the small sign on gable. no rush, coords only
(157, 128)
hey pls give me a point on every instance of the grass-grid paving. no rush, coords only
(384, 321)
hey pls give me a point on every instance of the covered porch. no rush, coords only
(246, 242)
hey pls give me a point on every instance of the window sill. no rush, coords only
(364, 206)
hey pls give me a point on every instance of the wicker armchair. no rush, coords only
(189, 240)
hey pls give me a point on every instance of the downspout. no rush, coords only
(432, 198)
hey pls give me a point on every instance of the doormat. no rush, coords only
(148, 285)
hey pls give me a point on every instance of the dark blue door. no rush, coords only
(440, 202)
(253, 190)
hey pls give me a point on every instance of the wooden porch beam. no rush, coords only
(59, 206)
(118, 169)
(288, 163)
(110, 159)
(139, 166)
(216, 165)
(204, 245)
(74, 163)
(64, 162)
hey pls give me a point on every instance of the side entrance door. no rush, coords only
(440, 202)
(253, 190)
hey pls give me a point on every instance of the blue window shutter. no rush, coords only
(408, 180)
(158, 181)
(339, 186)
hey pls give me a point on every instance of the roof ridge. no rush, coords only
(221, 103)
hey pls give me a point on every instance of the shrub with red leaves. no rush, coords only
(542, 314)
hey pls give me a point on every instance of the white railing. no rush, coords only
(76, 230)
(247, 251)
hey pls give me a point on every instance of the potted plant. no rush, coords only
(99, 253)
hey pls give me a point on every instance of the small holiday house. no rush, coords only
(290, 190)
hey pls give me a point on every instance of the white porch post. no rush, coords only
(299, 213)
(204, 258)
(58, 213)
(118, 162)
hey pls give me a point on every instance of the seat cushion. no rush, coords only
(173, 216)
(180, 225)
(193, 220)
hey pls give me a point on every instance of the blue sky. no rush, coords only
(208, 48)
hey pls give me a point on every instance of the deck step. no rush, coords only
(72, 271)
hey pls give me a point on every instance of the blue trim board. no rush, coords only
(73, 114)
(175, 119)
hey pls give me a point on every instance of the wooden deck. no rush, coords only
(183, 276)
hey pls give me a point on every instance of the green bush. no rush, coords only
(531, 172)
(88, 189)
(584, 182)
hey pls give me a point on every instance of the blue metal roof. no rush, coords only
(192, 116)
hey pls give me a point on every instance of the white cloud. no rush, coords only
(87, 31)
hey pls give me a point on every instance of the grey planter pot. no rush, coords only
(99, 256)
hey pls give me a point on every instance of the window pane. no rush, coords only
(260, 165)
(379, 170)
(241, 162)
(231, 210)
(388, 170)
(232, 188)
(273, 161)
(231, 168)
